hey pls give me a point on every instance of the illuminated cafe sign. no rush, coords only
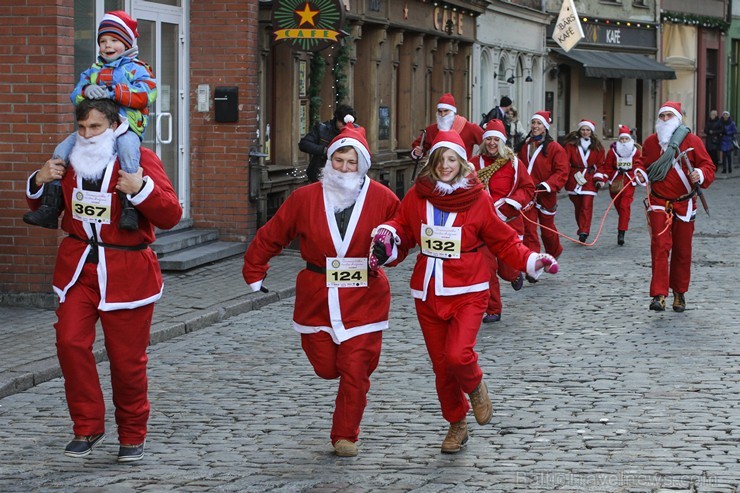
(307, 25)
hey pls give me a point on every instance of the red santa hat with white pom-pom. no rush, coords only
(672, 107)
(624, 131)
(355, 137)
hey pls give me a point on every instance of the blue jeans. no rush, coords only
(128, 146)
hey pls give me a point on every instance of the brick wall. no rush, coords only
(37, 55)
(223, 52)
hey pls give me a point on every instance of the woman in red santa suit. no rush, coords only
(547, 164)
(585, 154)
(623, 161)
(506, 179)
(341, 332)
(449, 215)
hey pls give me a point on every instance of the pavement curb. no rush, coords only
(27, 376)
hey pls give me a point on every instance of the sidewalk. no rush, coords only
(191, 301)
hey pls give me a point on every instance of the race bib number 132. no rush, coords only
(441, 241)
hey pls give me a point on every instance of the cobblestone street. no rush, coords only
(592, 392)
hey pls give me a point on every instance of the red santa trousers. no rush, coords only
(352, 361)
(497, 268)
(450, 326)
(676, 244)
(126, 335)
(550, 239)
(584, 209)
(623, 205)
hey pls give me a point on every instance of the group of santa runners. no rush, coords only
(469, 218)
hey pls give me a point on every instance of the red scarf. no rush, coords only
(458, 201)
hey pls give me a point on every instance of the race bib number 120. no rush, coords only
(91, 207)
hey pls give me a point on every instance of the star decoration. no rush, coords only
(307, 15)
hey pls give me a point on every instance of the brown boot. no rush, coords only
(457, 437)
(482, 407)
(345, 448)
(679, 302)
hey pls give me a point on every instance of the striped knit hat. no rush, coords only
(121, 26)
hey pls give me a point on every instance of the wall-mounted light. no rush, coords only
(529, 76)
(510, 80)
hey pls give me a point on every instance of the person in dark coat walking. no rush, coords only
(713, 132)
(727, 143)
(317, 141)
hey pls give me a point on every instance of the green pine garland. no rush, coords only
(318, 64)
(340, 71)
(694, 20)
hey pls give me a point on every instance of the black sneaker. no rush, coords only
(582, 237)
(530, 279)
(131, 453)
(658, 303)
(518, 283)
(80, 446)
(620, 237)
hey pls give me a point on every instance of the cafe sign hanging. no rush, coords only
(308, 25)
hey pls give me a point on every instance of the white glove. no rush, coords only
(94, 91)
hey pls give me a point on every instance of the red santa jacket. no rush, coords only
(510, 187)
(341, 312)
(587, 163)
(471, 134)
(550, 170)
(628, 167)
(480, 227)
(676, 183)
(127, 278)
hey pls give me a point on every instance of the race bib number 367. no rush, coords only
(91, 207)
(350, 272)
(441, 241)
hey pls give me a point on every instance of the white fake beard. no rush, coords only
(585, 143)
(341, 189)
(445, 122)
(665, 129)
(91, 156)
(624, 149)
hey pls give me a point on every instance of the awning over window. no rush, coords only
(615, 65)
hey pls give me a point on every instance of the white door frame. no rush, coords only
(156, 12)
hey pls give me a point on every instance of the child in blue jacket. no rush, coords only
(119, 75)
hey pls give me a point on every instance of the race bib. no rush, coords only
(91, 207)
(441, 241)
(348, 272)
(624, 165)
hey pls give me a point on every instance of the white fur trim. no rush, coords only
(584, 123)
(663, 109)
(443, 106)
(494, 133)
(460, 150)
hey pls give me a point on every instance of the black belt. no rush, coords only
(95, 243)
(315, 268)
(679, 199)
(476, 249)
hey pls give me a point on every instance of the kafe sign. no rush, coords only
(308, 25)
(568, 31)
